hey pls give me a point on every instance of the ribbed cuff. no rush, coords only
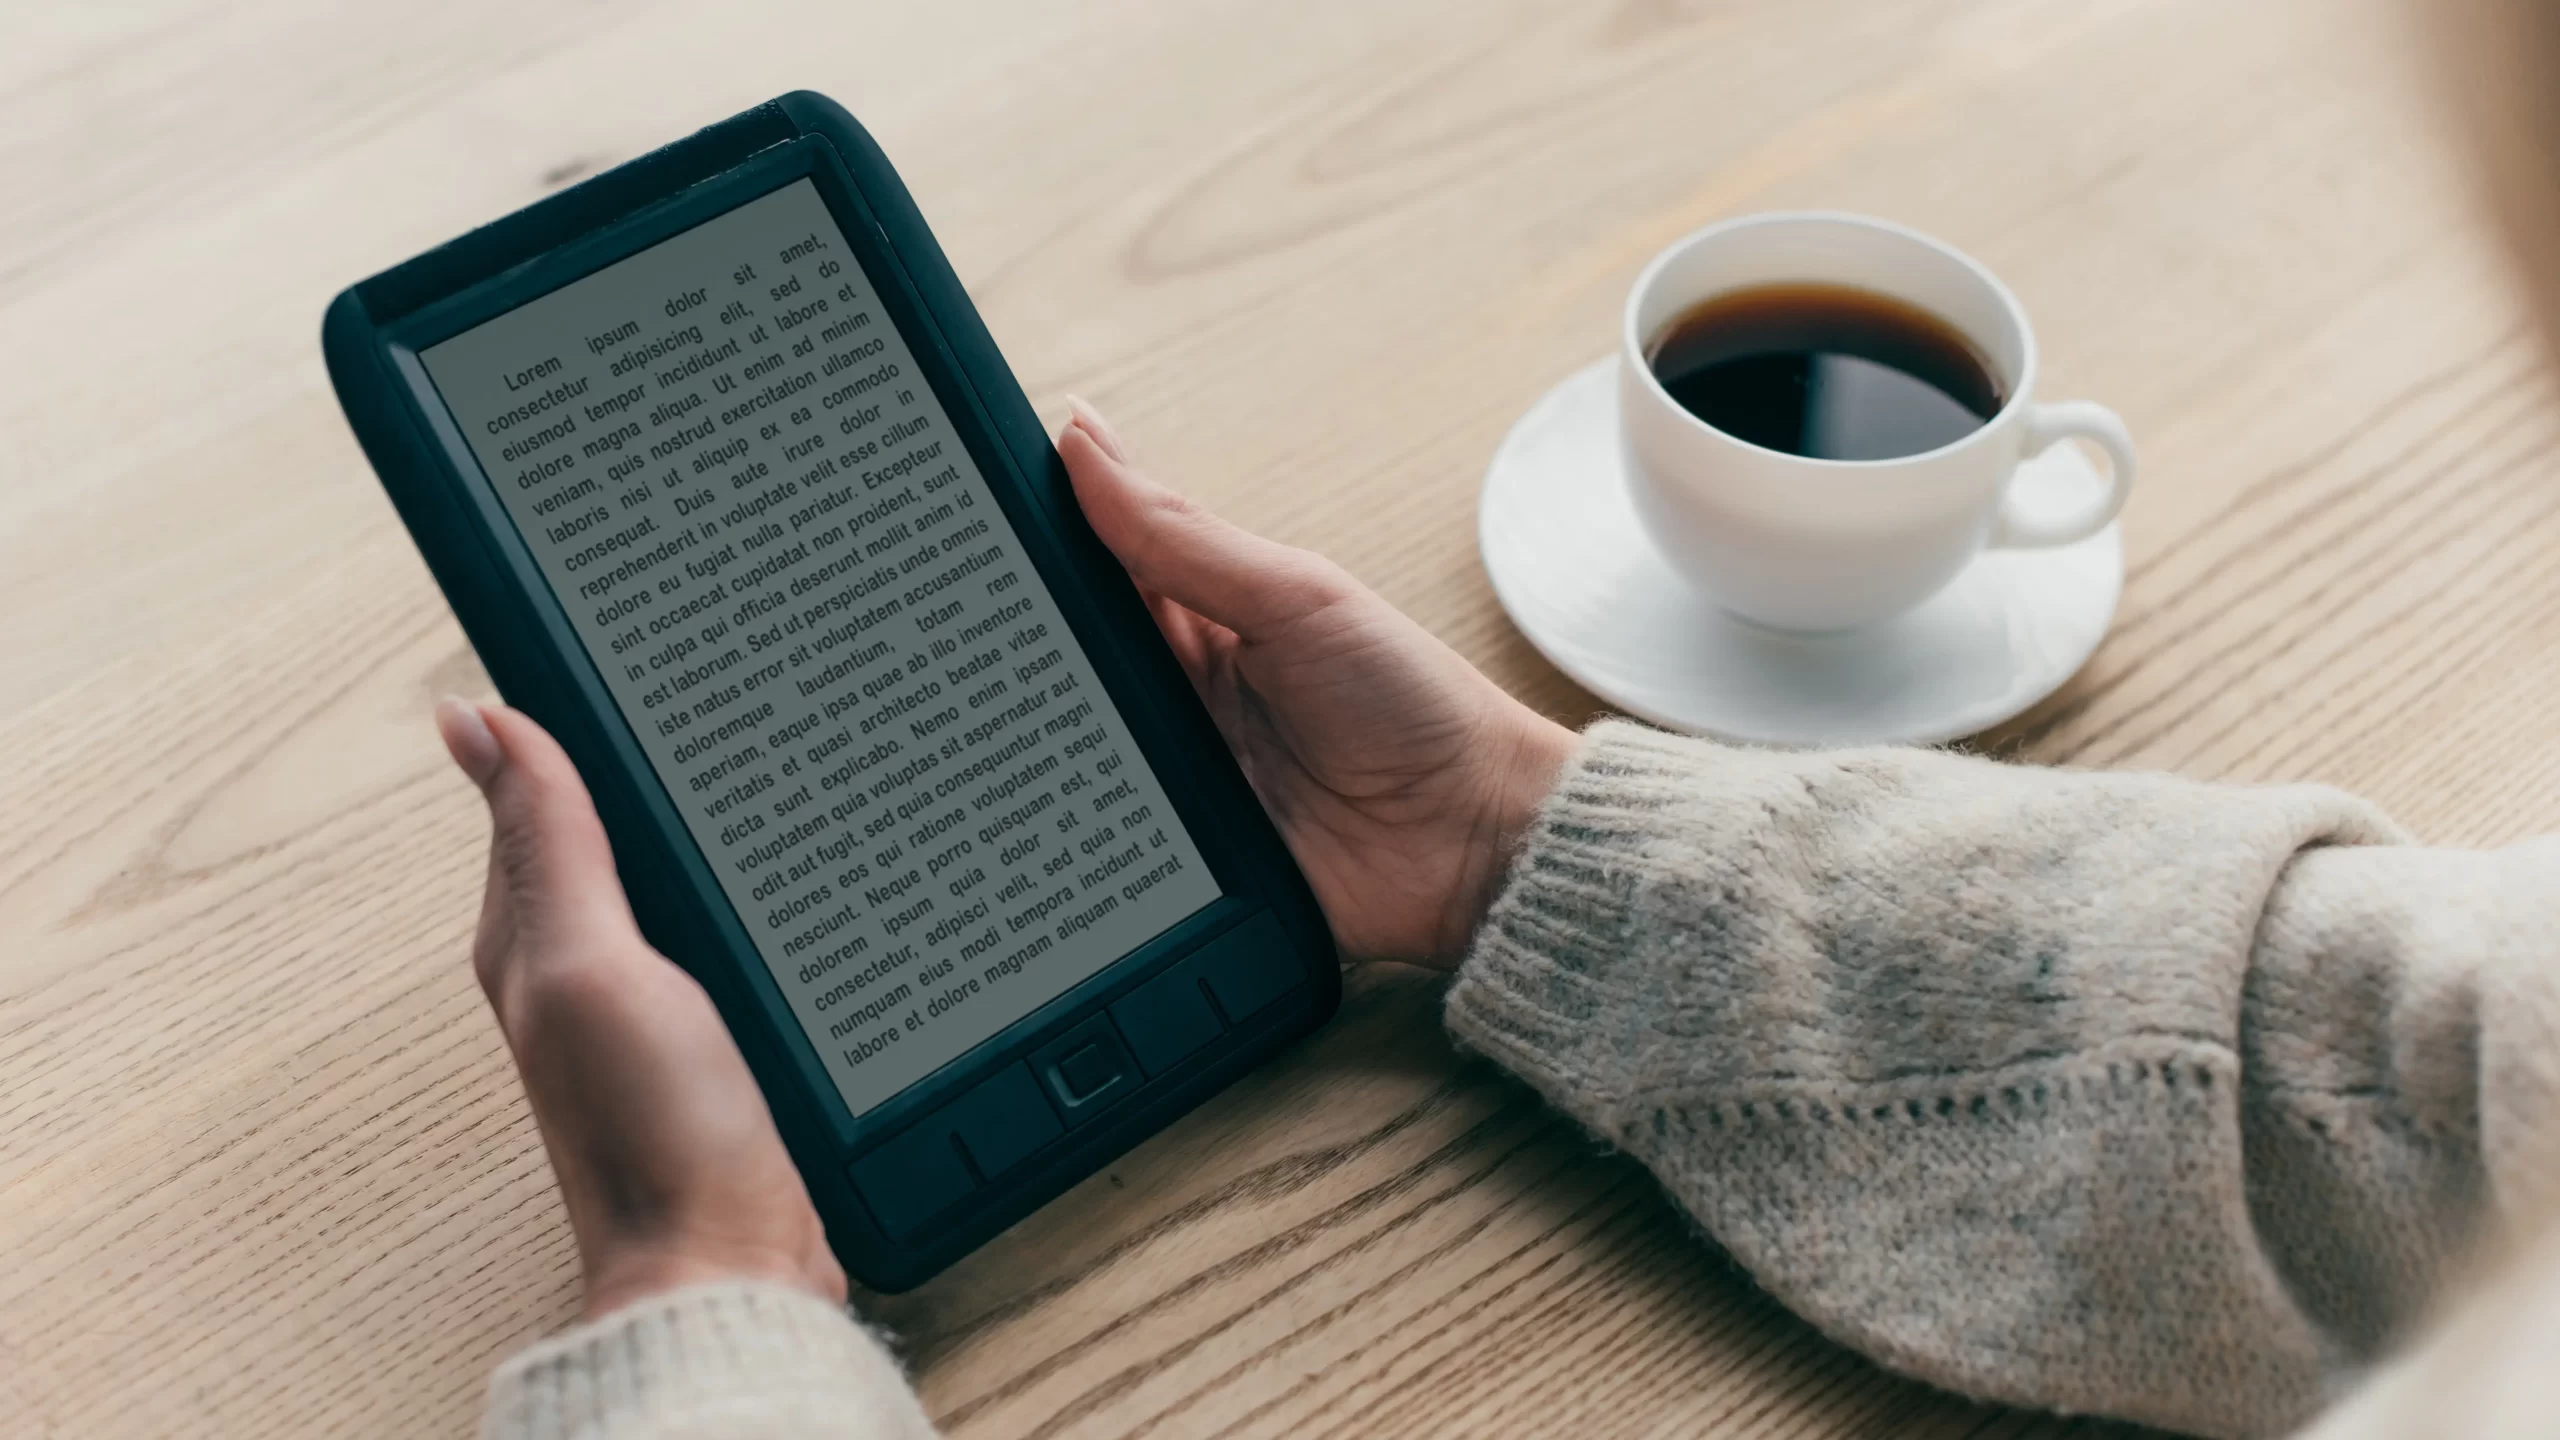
(1544, 990)
(742, 1360)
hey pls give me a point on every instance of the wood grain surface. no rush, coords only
(264, 1169)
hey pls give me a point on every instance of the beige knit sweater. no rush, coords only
(2115, 1094)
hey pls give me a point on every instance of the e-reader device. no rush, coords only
(733, 493)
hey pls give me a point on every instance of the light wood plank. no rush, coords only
(263, 1167)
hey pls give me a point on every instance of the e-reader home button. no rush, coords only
(1085, 1069)
(1087, 1073)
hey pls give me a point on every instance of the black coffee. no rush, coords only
(1826, 371)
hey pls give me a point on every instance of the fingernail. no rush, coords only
(468, 740)
(1099, 428)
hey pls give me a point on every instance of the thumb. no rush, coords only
(1176, 548)
(547, 849)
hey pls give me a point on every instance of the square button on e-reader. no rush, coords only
(1085, 1069)
(1087, 1073)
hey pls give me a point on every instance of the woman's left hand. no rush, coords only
(667, 1159)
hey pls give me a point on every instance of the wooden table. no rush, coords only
(264, 1170)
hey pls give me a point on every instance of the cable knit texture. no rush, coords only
(2092, 1092)
(708, 1362)
(2103, 1093)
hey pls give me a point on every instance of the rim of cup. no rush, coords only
(1633, 343)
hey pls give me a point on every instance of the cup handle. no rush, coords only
(2047, 426)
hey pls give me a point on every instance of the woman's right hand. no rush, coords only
(1400, 776)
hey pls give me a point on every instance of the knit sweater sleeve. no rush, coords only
(2103, 1093)
(735, 1361)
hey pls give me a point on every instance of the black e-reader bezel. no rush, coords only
(898, 1187)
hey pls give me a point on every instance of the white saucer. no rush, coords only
(1584, 582)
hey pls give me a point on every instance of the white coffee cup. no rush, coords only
(1800, 543)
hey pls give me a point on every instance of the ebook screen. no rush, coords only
(830, 643)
